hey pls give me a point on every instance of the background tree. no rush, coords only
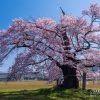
(65, 47)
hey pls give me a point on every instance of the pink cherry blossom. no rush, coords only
(73, 41)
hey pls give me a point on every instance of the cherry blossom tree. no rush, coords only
(60, 48)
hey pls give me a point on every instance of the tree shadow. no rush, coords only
(40, 94)
(47, 94)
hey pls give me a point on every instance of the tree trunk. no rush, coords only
(84, 81)
(70, 78)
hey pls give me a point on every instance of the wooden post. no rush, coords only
(84, 81)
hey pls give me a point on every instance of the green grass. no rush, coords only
(48, 94)
(41, 90)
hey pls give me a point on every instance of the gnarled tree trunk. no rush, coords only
(69, 73)
(70, 78)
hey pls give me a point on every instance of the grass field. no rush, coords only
(95, 85)
(33, 85)
(41, 90)
(23, 85)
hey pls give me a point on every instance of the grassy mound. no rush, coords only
(49, 94)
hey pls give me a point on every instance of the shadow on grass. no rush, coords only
(24, 95)
(47, 94)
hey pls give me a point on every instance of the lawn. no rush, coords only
(24, 85)
(95, 85)
(41, 90)
(33, 85)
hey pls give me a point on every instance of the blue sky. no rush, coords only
(11, 9)
(27, 9)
